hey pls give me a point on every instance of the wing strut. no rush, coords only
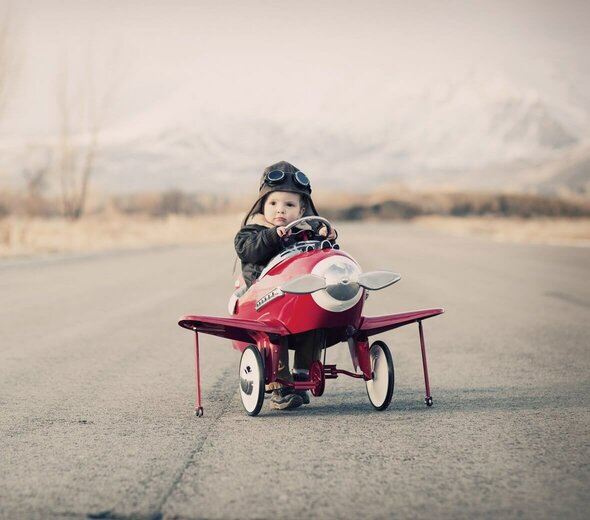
(428, 398)
(198, 406)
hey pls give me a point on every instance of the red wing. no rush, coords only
(377, 324)
(233, 328)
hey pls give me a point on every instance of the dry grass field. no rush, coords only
(34, 236)
(32, 226)
(21, 236)
(555, 231)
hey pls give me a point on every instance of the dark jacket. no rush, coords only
(258, 242)
(256, 245)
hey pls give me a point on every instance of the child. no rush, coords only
(284, 196)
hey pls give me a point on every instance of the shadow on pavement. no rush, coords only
(450, 400)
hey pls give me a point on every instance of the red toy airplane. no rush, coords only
(310, 285)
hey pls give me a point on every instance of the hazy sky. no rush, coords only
(287, 58)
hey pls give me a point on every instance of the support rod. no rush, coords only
(198, 407)
(428, 398)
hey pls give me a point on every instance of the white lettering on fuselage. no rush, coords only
(272, 295)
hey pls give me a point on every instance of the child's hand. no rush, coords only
(323, 232)
(282, 231)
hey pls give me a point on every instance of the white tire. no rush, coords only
(251, 380)
(380, 387)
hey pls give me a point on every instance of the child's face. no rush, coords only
(283, 207)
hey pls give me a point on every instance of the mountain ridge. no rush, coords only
(482, 133)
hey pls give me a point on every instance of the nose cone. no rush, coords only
(342, 281)
(342, 290)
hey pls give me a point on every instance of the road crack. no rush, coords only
(224, 395)
(568, 298)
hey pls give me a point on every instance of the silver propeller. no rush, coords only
(310, 283)
(375, 280)
(306, 284)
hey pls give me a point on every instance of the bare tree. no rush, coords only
(36, 172)
(82, 110)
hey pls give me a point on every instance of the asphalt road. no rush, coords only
(97, 389)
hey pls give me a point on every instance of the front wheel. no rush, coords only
(251, 380)
(380, 387)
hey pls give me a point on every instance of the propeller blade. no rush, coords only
(375, 280)
(305, 284)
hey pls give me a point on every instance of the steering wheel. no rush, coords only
(301, 220)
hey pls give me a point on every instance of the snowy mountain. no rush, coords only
(453, 134)
(485, 132)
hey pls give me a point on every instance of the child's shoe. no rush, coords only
(304, 394)
(285, 399)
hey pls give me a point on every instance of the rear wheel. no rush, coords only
(251, 380)
(380, 387)
(316, 376)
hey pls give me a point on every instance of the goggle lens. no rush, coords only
(301, 179)
(275, 176)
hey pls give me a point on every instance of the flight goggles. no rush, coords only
(278, 177)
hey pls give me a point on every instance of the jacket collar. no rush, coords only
(258, 219)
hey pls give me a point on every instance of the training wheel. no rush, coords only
(199, 411)
(380, 387)
(428, 401)
(251, 380)
(316, 376)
